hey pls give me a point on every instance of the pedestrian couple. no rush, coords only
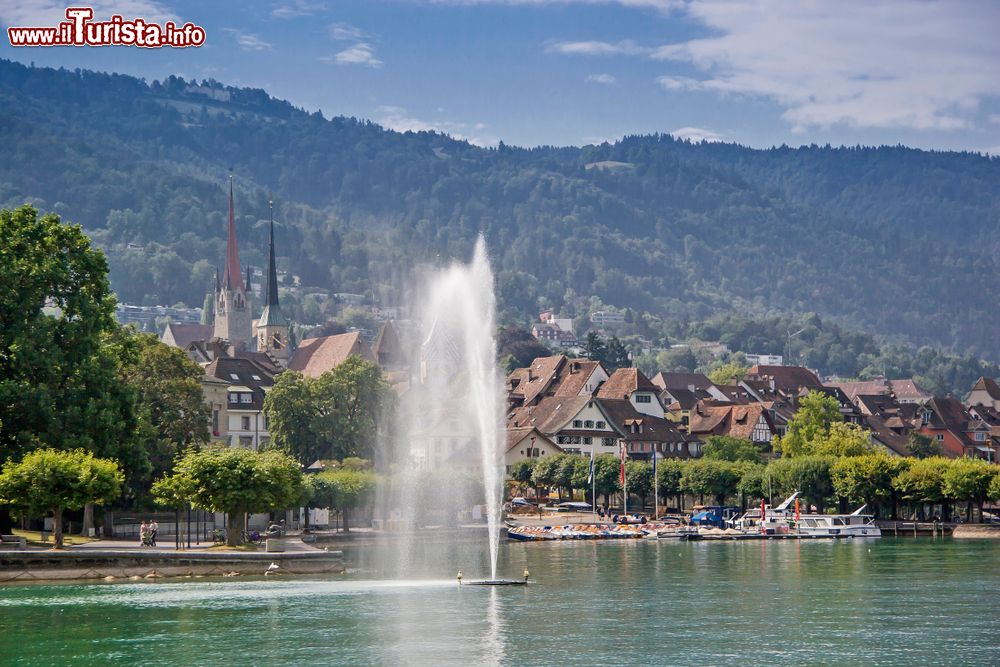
(147, 533)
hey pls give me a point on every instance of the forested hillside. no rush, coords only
(889, 240)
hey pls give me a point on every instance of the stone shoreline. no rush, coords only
(122, 564)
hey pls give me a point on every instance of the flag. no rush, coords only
(590, 475)
(796, 510)
(621, 477)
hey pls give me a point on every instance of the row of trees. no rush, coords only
(881, 481)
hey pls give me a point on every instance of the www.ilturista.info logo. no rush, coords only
(80, 30)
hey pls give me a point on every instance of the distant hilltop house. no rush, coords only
(765, 359)
(602, 317)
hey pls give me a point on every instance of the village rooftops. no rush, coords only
(989, 386)
(624, 382)
(786, 379)
(689, 381)
(316, 356)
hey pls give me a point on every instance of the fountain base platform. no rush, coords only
(495, 582)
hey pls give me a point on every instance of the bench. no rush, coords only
(15, 541)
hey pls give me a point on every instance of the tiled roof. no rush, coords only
(988, 385)
(185, 334)
(864, 387)
(624, 382)
(316, 356)
(908, 390)
(534, 381)
(786, 378)
(737, 421)
(681, 380)
(621, 413)
(242, 372)
(574, 376)
(882, 431)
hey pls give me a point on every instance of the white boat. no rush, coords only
(854, 524)
(781, 520)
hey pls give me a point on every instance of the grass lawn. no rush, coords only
(34, 538)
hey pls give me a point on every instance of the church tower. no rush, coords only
(233, 319)
(272, 328)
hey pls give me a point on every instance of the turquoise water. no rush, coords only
(851, 602)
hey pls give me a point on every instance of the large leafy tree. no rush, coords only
(728, 448)
(923, 482)
(969, 480)
(668, 479)
(708, 477)
(343, 489)
(867, 479)
(233, 480)
(170, 399)
(333, 416)
(817, 428)
(810, 475)
(51, 480)
(59, 380)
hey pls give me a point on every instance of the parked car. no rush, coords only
(521, 502)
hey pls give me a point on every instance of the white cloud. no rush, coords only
(605, 79)
(995, 118)
(678, 83)
(592, 48)
(696, 134)
(926, 65)
(42, 13)
(346, 32)
(248, 41)
(397, 118)
(359, 54)
(297, 8)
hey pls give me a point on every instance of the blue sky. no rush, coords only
(530, 72)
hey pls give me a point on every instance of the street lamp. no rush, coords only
(788, 343)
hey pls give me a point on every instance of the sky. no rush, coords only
(573, 72)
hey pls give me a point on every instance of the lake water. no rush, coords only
(850, 602)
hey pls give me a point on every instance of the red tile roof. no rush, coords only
(316, 356)
(624, 382)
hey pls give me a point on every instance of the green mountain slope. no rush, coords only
(892, 240)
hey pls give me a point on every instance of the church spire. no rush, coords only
(271, 316)
(231, 278)
(271, 298)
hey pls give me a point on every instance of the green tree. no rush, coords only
(923, 482)
(842, 439)
(545, 474)
(616, 356)
(595, 348)
(728, 448)
(233, 480)
(607, 468)
(754, 483)
(668, 480)
(726, 372)
(707, 477)
(330, 417)
(521, 472)
(344, 489)
(922, 446)
(51, 480)
(867, 479)
(170, 399)
(809, 475)
(810, 425)
(969, 480)
(57, 388)
(639, 479)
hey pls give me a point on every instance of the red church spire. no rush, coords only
(231, 278)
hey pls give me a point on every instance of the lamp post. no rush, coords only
(788, 344)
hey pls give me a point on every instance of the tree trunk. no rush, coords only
(347, 526)
(234, 526)
(6, 521)
(968, 513)
(57, 532)
(88, 519)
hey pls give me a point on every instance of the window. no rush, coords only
(577, 423)
(256, 377)
(245, 423)
(246, 441)
(589, 423)
(588, 441)
(601, 424)
(267, 423)
(980, 436)
(925, 417)
(608, 442)
(234, 376)
(246, 398)
(643, 398)
(215, 422)
(940, 437)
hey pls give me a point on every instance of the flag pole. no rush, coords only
(656, 495)
(593, 482)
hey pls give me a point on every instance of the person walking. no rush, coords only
(143, 533)
(153, 528)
